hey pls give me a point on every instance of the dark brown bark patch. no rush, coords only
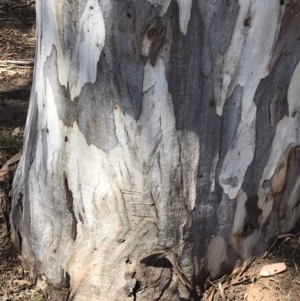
(155, 35)
(289, 33)
(69, 198)
(251, 222)
(287, 206)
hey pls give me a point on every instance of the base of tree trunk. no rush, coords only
(161, 144)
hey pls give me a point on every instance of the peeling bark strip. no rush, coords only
(69, 198)
(165, 134)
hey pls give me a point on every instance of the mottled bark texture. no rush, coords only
(161, 144)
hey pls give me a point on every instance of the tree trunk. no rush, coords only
(161, 144)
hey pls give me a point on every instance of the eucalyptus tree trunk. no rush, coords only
(161, 144)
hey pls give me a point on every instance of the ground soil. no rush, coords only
(248, 285)
(17, 51)
(17, 43)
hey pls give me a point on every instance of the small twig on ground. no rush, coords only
(247, 265)
(212, 283)
(271, 247)
(272, 279)
(243, 280)
(211, 295)
(19, 62)
(221, 291)
(264, 285)
(2, 69)
(296, 267)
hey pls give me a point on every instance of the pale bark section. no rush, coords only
(245, 63)
(213, 171)
(79, 47)
(216, 253)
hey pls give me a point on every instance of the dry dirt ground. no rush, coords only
(17, 48)
(246, 284)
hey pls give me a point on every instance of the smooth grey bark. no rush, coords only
(161, 144)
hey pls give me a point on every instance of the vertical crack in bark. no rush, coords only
(19, 241)
(69, 198)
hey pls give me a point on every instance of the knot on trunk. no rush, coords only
(153, 39)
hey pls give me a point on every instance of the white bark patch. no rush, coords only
(213, 171)
(77, 64)
(216, 255)
(245, 63)
(190, 156)
(46, 35)
(45, 207)
(126, 200)
(87, 50)
(185, 7)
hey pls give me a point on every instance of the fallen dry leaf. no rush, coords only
(221, 291)
(285, 235)
(6, 167)
(22, 282)
(272, 269)
(17, 131)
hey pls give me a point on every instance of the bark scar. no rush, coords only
(69, 198)
(153, 39)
